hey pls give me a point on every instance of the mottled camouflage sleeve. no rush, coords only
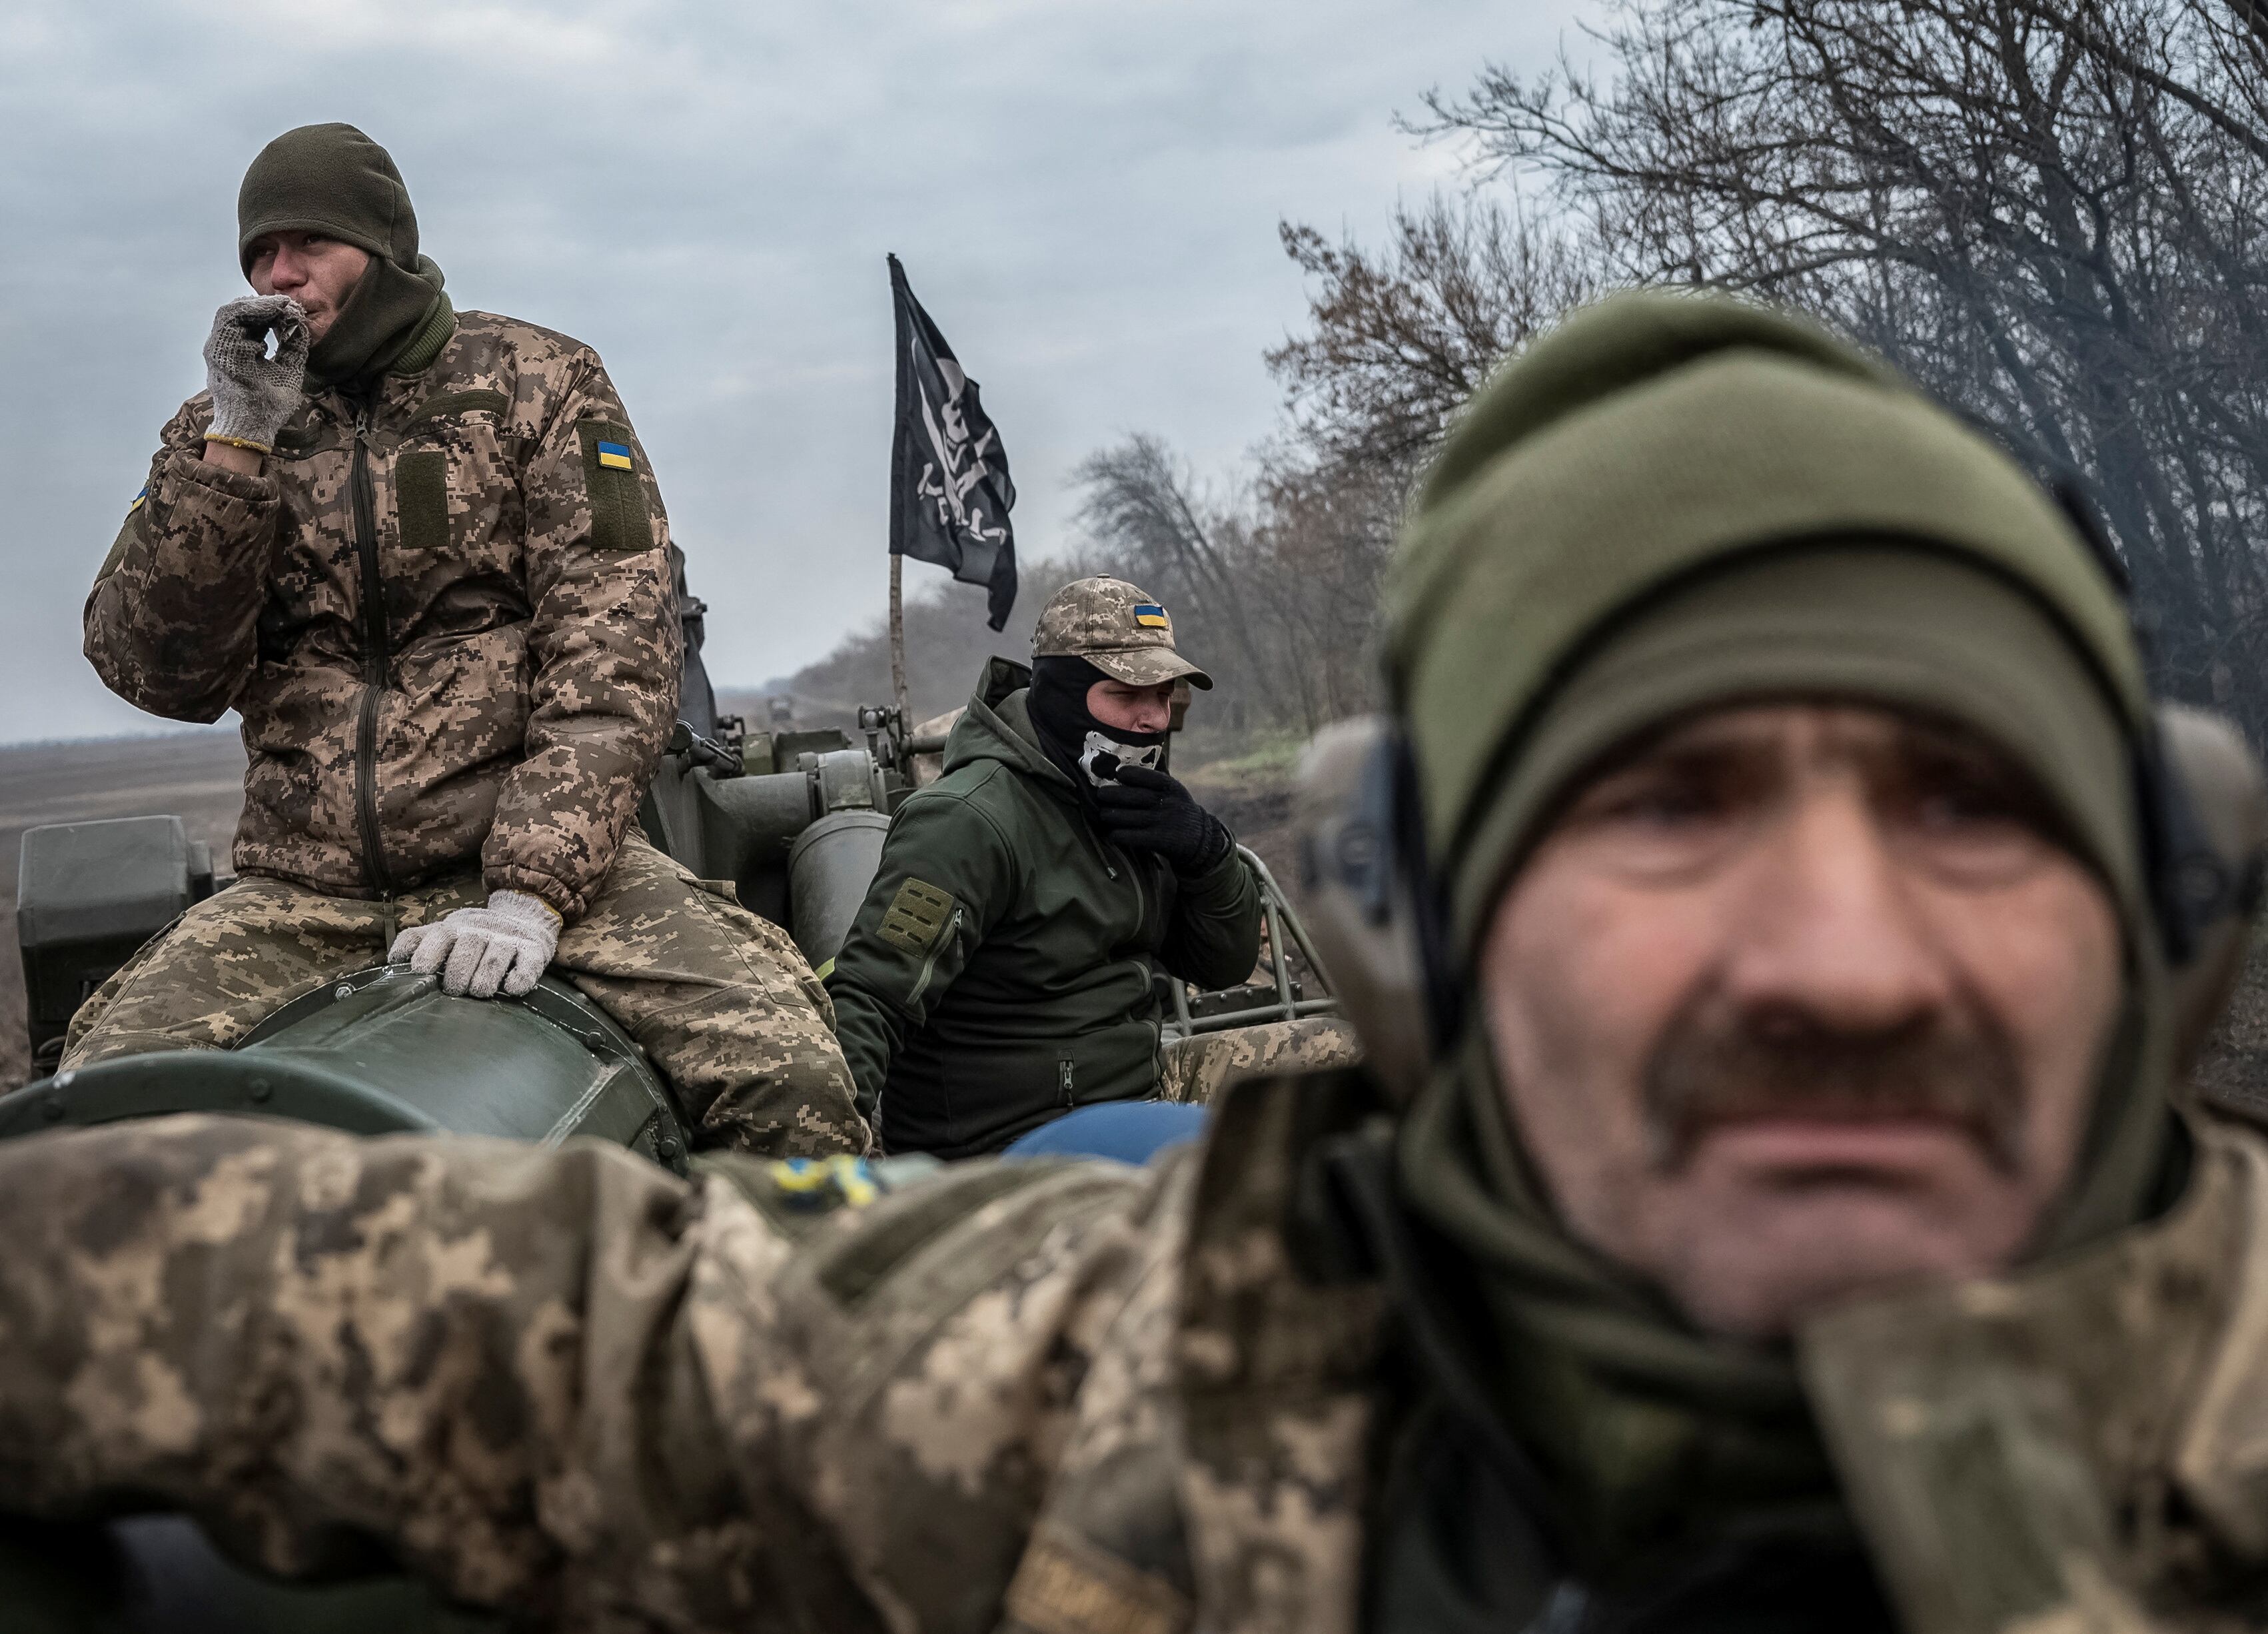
(171, 621)
(604, 649)
(559, 1380)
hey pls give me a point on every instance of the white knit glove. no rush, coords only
(253, 393)
(506, 945)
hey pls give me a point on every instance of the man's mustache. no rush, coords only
(1719, 1063)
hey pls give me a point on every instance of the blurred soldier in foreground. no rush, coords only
(1003, 969)
(1789, 1222)
(422, 552)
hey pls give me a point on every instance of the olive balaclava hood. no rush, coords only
(1668, 504)
(335, 181)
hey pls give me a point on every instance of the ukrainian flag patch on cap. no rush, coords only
(1150, 615)
(614, 456)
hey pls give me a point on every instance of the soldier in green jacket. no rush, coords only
(1005, 966)
(1777, 916)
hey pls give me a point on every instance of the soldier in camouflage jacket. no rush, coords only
(449, 630)
(1346, 1366)
(439, 594)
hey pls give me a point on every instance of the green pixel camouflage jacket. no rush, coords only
(448, 622)
(1044, 1398)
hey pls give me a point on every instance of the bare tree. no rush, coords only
(2052, 212)
(1274, 586)
(1147, 518)
(1400, 339)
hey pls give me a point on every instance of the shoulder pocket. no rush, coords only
(617, 487)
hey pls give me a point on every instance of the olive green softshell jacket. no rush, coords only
(1002, 969)
(449, 626)
(1060, 1397)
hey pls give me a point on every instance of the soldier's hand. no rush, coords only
(504, 946)
(253, 393)
(1148, 810)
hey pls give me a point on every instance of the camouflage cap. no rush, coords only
(1115, 627)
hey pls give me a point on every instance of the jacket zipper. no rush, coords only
(376, 662)
(936, 951)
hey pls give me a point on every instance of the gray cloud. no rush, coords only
(1085, 197)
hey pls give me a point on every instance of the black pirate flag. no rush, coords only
(949, 487)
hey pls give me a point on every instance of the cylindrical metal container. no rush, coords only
(829, 867)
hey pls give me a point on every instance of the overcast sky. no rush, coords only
(1086, 196)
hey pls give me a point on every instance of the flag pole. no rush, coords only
(898, 640)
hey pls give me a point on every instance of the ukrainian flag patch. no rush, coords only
(820, 1185)
(614, 456)
(1150, 615)
(140, 499)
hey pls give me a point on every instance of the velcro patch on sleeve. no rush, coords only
(918, 917)
(619, 519)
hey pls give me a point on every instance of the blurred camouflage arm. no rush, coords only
(604, 649)
(559, 1381)
(299, 1337)
(1214, 939)
(171, 624)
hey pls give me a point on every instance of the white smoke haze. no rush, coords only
(1086, 198)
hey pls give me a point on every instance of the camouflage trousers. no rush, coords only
(1195, 1069)
(724, 1003)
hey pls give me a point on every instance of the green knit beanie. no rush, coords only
(334, 180)
(331, 180)
(1677, 501)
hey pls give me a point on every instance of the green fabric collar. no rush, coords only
(1652, 1434)
(425, 341)
(390, 313)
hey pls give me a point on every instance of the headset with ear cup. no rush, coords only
(1375, 915)
(2210, 875)
(2199, 792)
(1378, 920)
(1367, 901)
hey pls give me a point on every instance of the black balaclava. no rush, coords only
(1059, 712)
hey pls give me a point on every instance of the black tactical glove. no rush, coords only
(253, 393)
(1147, 811)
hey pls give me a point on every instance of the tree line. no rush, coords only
(2052, 214)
